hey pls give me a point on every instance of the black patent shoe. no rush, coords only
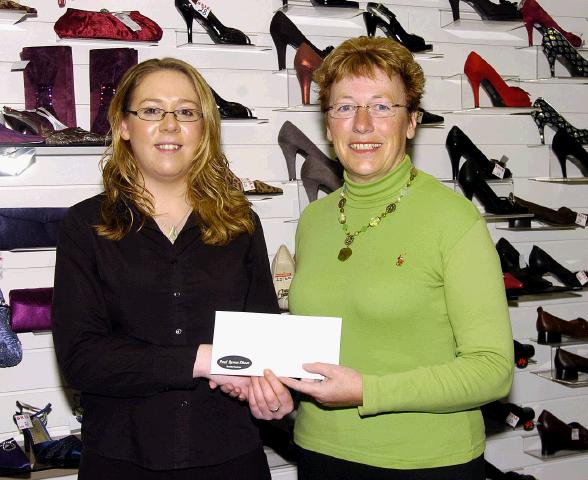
(378, 16)
(215, 29)
(231, 109)
(504, 10)
(565, 147)
(459, 145)
(427, 118)
(472, 183)
(540, 263)
(335, 3)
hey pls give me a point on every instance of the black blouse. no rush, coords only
(128, 317)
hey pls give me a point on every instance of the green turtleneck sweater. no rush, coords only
(425, 321)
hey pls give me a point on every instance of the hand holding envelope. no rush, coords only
(247, 343)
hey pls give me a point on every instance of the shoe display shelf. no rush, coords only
(202, 42)
(543, 75)
(576, 347)
(302, 8)
(12, 17)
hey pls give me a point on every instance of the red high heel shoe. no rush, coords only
(306, 62)
(481, 72)
(533, 14)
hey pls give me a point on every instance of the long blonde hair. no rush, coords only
(223, 208)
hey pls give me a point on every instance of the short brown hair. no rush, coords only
(361, 56)
(222, 207)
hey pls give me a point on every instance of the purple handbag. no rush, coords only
(30, 309)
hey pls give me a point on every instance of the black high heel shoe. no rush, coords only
(335, 3)
(215, 29)
(472, 183)
(545, 114)
(459, 145)
(540, 263)
(510, 262)
(489, 11)
(427, 118)
(564, 146)
(284, 33)
(231, 109)
(378, 16)
(318, 172)
(556, 45)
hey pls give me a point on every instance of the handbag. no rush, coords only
(126, 26)
(10, 347)
(30, 309)
(29, 227)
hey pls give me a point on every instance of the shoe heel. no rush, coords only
(529, 27)
(455, 157)
(547, 447)
(187, 15)
(561, 152)
(475, 83)
(312, 187)
(371, 23)
(455, 9)
(304, 79)
(548, 337)
(289, 150)
(566, 374)
(281, 45)
(541, 127)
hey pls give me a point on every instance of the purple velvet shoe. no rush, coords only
(107, 67)
(48, 81)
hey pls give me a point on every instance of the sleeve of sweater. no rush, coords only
(482, 369)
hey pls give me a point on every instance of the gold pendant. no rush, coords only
(344, 254)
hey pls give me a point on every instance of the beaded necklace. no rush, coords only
(346, 251)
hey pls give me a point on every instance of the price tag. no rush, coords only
(582, 277)
(127, 20)
(581, 219)
(201, 8)
(575, 434)
(512, 420)
(23, 421)
(18, 66)
(420, 116)
(522, 262)
(248, 185)
(498, 170)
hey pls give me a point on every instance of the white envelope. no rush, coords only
(246, 343)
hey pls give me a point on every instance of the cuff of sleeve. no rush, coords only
(370, 396)
(174, 366)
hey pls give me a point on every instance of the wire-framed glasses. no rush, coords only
(154, 114)
(375, 110)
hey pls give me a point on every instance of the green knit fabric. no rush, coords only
(425, 320)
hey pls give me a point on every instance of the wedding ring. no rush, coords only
(274, 410)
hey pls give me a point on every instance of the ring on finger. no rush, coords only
(274, 410)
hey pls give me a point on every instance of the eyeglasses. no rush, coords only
(375, 110)
(152, 114)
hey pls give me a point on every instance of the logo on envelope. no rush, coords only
(234, 362)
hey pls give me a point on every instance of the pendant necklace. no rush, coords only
(346, 251)
(174, 231)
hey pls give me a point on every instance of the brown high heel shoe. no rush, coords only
(561, 216)
(306, 62)
(568, 364)
(550, 328)
(556, 435)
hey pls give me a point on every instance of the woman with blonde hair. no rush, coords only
(141, 270)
